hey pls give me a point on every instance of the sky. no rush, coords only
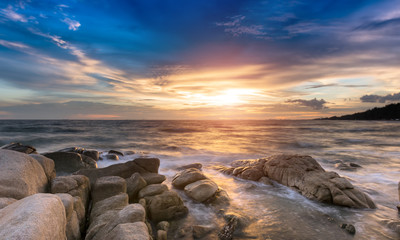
(191, 59)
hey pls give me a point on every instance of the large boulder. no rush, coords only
(75, 185)
(201, 190)
(304, 174)
(186, 177)
(129, 231)
(124, 170)
(93, 154)
(4, 201)
(134, 184)
(152, 189)
(70, 162)
(73, 230)
(18, 147)
(153, 178)
(20, 175)
(166, 206)
(149, 164)
(40, 216)
(108, 186)
(117, 202)
(47, 165)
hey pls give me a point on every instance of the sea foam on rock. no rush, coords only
(304, 174)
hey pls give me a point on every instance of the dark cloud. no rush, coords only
(313, 103)
(376, 25)
(381, 99)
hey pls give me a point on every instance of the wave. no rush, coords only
(181, 130)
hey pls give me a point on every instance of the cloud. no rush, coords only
(10, 14)
(236, 27)
(72, 24)
(381, 99)
(377, 25)
(313, 103)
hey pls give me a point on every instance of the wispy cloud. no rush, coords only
(395, 97)
(10, 14)
(72, 24)
(313, 103)
(237, 27)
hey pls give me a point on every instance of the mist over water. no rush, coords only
(276, 212)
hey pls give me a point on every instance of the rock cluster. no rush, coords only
(305, 175)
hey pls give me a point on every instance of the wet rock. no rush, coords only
(228, 230)
(186, 177)
(201, 190)
(200, 231)
(152, 189)
(355, 165)
(112, 157)
(129, 231)
(4, 202)
(129, 152)
(392, 224)
(153, 178)
(124, 170)
(134, 184)
(220, 199)
(224, 170)
(115, 152)
(344, 167)
(149, 164)
(163, 225)
(93, 154)
(47, 165)
(349, 228)
(304, 174)
(40, 216)
(20, 175)
(250, 173)
(69, 162)
(106, 187)
(193, 165)
(241, 221)
(18, 147)
(265, 180)
(166, 206)
(79, 150)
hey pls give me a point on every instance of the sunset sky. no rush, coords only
(197, 59)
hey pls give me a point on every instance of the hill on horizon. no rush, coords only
(388, 112)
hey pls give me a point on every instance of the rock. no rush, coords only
(224, 170)
(80, 210)
(241, 221)
(166, 206)
(161, 235)
(79, 150)
(201, 190)
(265, 180)
(152, 189)
(73, 231)
(40, 216)
(134, 184)
(93, 154)
(398, 189)
(200, 231)
(153, 178)
(220, 199)
(193, 165)
(106, 187)
(186, 177)
(129, 231)
(305, 175)
(75, 185)
(112, 157)
(149, 164)
(184, 233)
(355, 165)
(124, 170)
(115, 152)
(344, 167)
(163, 225)
(4, 202)
(227, 231)
(129, 152)
(398, 208)
(252, 174)
(69, 162)
(18, 147)
(142, 202)
(349, 228)
(392, 224)
(20, 175)
(47, 165)
(117, 202)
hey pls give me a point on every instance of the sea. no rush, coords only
(275, 212)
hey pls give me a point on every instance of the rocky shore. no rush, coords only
(64, 195)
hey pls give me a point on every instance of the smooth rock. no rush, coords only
(4, 202)
(106, 187)
(124, 170)
(152, 189)
(37, 217)
(161, 235)
(166, 206)
(163, 225)
(20, 175)
(18, 147)
(355, 165)
(186, 177)
(79, 150)
(117, 202)
(73, 231)
(75, 185)
(305, 175)
(93, 154)
(220, 199)
(200, 231)
(69, 162)
(112, 157)
(201, 190)
(149, 164)
(193, 165)
(47, 165)
(115, 152)
(153, 178)
(252, 174)
(129, 231)
(265, 181)
(134, 184)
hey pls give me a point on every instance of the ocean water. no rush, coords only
(276, 212)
